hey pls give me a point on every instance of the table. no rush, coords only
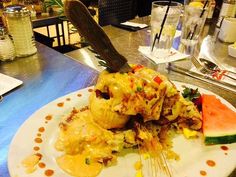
(47, 75)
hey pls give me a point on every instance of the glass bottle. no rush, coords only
(7, 51)
(227, 10)
(211, 10)
(19, 25)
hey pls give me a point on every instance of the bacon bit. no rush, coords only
(218, 74)
(63, 126)
(84, 109)
(137, 67)
(72, 113)
(158, 80)
(131, 82)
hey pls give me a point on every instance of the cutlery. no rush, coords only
(201, 77)
(79, 16)
(155, 163)
(205, 70)
(212, 66)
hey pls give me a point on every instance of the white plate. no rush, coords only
(8, 83)
(193, 153)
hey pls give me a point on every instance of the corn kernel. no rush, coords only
(138, 165)
(189, 133)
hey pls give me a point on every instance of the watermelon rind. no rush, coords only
(220, 140)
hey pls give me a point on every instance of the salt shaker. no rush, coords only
(20, 28)
(7, 51)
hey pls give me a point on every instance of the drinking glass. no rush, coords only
(164, 20)
(195, 13)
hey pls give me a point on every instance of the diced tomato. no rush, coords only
(137, 67)
(157, 79)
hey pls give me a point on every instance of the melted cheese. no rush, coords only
(134, 93)
(79, 165)
(80, 132)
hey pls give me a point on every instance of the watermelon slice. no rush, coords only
(219, 121)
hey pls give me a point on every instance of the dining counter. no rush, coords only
(48, 75)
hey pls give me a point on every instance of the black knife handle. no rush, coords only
(79, 16)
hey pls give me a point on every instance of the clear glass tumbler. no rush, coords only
(164, 20)
(195, 13)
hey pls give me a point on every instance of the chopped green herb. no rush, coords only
(139, 89)
(191, 94)
(87, 161)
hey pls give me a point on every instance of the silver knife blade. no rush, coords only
(201, 77)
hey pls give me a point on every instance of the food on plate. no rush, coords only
(139, 109)
(194, 96)
(219, 125)
(30, 163)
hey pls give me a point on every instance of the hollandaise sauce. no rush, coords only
(79, 165)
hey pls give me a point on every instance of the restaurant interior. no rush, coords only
(133, 88)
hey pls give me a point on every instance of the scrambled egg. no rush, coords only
(189, 133)
(132, 93)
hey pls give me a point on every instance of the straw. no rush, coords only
(195, 27)
(156, 36)
(162, 25)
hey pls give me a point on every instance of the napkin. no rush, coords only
(8, 83)
(174, 55)
(131, 26)
(140, 25)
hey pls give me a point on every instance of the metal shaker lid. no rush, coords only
(16, 11)
(3, 31)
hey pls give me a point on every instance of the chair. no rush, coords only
(144, 7)
(43, 39)
(116, 11)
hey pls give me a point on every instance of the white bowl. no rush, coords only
(232, 50)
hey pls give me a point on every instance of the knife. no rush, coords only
(79, 16)
(201, 77)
